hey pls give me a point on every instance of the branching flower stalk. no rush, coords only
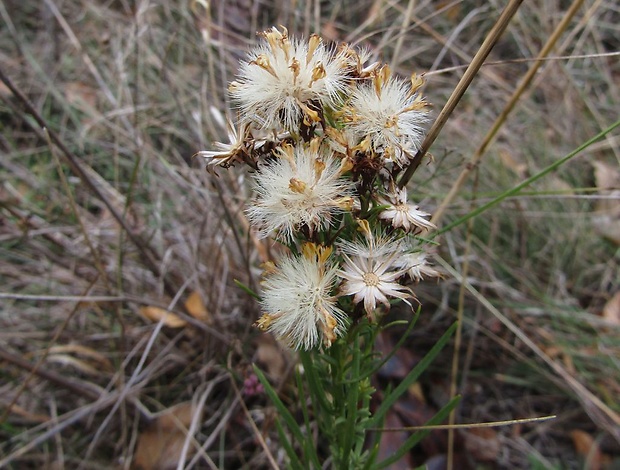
(326, 135)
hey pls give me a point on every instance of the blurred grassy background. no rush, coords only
(132, 88)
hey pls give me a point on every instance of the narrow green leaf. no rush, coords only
(330, 360)
(246, 289)
(387, 326)
(314, 383)
(376, 211)
(288, 448)
(308, 444)
(411, 377)
(352, 398)
(419, 435)
(527, 182)
(400, 342)
(283, 411)
(372, 455)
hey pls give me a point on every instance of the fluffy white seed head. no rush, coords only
(297, 301)
(300, 188)
(284, 80)
(389, 114)
(416, 266)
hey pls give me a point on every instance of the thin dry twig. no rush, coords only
(406, 22)
(68, 419)
(526, 60)
(35, 369)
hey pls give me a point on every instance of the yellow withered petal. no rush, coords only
(297, 186)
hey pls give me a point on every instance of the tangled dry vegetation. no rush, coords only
(125, 338)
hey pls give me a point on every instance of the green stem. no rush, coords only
(350, 406)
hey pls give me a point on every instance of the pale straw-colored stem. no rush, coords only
(598, 410)
(498, 29)
(401, 37)
(527, 79)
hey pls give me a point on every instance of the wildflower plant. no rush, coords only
(326, 136)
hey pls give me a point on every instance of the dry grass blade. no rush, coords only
(35, 369)
(599, 411)
(76, 166)
(80, 388)
(492, 424)
(126, 93)
(512, 102)
(94, 253)
(491, 39)
(406, 22)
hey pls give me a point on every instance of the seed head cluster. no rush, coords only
(326, 134)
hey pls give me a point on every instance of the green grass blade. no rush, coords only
(527, 182)
(400, 342)
(352, 400)
(246, 289)
(288, 447)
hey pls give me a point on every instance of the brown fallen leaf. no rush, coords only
(156, 314)
(160, 446)
(482, 444)
(101, 361)
(611, 310)
(81, 95)
(271, 357)
(412, 412)
(330, 32)
(391, 442)
(399, 364)
(197, 308)
(70, 361)
(452, 10)
(606, 176)
(560, 185)
(606, 221)
(514, 164)
(586, 446)
(608, 226)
